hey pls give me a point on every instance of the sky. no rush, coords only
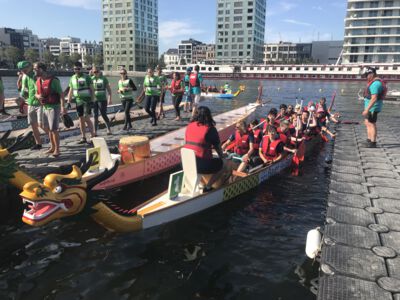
(287, 20)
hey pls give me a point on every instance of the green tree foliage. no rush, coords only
(182, 61)
(63, 60)
(88, 59)
(161, 61)
(98, 60)
(13, 55)
(31, 55)
(74, 57)
(48, 58)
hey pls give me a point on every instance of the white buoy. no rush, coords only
(299, 89)
(278, 88)
(313, 243)
(342, 91)
(321, 90)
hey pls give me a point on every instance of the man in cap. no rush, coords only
(373, 102)
(35, 109)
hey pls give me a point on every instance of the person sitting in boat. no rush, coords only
(287, 135)
(282, 112)
(227, 88)
(271, 147)
(256, 128)
(308, 123)
(321, 118)
(201, 136)
(271, 117)
(240, 145)
(289, 111)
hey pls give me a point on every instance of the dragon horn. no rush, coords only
(85, 165)
(103, 176)
(19, 141)
(4, 138)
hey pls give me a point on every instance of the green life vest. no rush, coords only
(99, 88)
(125, 89)
(152, 86)
(80, 88)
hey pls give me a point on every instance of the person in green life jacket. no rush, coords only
(2, 99)
(164, 87)
(102, 92)
(82, 89)
(35, 109)
(227, 88)
(152, 91)
(51, 96)
(126, 87)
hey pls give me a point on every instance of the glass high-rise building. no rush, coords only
(130, 34)
(240, 31)
(372, 32)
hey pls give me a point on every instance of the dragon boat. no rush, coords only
(183, 197)
(164, 151)
(241, 89)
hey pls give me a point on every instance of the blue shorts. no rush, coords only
(187, 98)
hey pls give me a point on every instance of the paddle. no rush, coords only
(332, 101)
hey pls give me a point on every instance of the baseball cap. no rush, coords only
(23, 64)
(369, 70)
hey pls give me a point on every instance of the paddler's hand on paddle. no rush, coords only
(365, 113)
(245, 158)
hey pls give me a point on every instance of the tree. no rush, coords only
(31, 55)
(98, 60)
(48, 58)
(88, 59)
(13, 55)
(74, 57)
(161, 62)
(182, 61)
(64, 61)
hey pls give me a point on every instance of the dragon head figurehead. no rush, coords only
(59, 195)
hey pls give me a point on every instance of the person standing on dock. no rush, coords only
(152, 90)
(164, 86)
(81, 88)
(188, 97)
(125, 91)
(196, 80)
(177, 89)
(2, 99)
(50, 95)
(374, 94)
(35, 109)
(102, 92)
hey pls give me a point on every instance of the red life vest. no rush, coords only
(44, 89)
(269, 148)
(196, 140)
(381, 95)
(257, 138)
(242, 144)
(194, 80)
(176, 86)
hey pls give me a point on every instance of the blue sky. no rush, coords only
(288, 20)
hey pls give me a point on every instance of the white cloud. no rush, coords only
(286, 6)
(291, 21)
(85, 4)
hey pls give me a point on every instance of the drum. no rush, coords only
(134, 148)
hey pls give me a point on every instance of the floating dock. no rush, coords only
(360, 256)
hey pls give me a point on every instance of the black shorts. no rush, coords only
(372, 117)
(209, 166)
(85, 109)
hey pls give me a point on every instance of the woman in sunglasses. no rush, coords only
(126, 87)
(102, 92)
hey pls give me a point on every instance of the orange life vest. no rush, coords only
(269, 147)
(242, 144)
(196, 140)
(44, 89)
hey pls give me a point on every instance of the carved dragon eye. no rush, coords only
(58, 189)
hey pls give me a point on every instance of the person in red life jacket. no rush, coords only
(50, 95)
(289, 111)
(242, 142)
(282, 112)
(271, 117)
(201, 136)
(287, 135)
(271, 147)
(177, 89)
(195, 81)
(374, 94)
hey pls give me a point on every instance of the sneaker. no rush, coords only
(371, 145)
(36, 147)
(82, 141)
(154, 124)
(368, 141)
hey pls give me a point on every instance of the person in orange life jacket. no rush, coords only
(50, 95)
(374, 94)
(177, 89)
(82, 90)
(195, 82)
(272, 118)
(202, 136)
(271, 147)
(282, 112)
(287, 135)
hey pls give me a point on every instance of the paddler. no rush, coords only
(102, 92)
(177, 89)
(51, 96)
(152, 90)
(126, 87)
(82, 89)
(374, 93)
(202, 136)
(2, 99)
(240, 145)
(164, 86)
(35, 109)
(187, 96)
(282, 112)
(195, 82)
(271, 147)
(227, 88)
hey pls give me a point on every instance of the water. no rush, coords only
(251, 247)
